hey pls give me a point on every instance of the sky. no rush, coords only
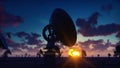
(97, 22)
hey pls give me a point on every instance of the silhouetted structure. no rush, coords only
(84, 53)
(4, 45)
(98, 55)
(109, 55)
(5, 54)
(60, 29)
(117, 51)
(26, 54)
(40, 53)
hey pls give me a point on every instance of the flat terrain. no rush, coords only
(35, 62)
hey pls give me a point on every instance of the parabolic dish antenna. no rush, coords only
(62, 26)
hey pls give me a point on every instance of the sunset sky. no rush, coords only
(97, 23)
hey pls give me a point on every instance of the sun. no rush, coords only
(74, 53)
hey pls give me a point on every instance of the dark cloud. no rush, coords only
(13, 46)
(12, 43)
(7, 19)
(93, 18)
(108, 29)
(118, 43)
(21, 47)
(22, 34)
(29, 38)
(107, 7)
(89, 27)
(96, 45)
(118, 35)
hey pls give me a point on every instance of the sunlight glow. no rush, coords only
(74, 53)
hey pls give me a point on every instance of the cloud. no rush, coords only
(111, 48)
(22, 47)
(118, 34)
(7, 19)
(118, 43)
(13, 46)
(29, 38)
(89, 27)
(93, 45)
(26, 45)
(22, 34)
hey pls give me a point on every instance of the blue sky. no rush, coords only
(36, 13)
